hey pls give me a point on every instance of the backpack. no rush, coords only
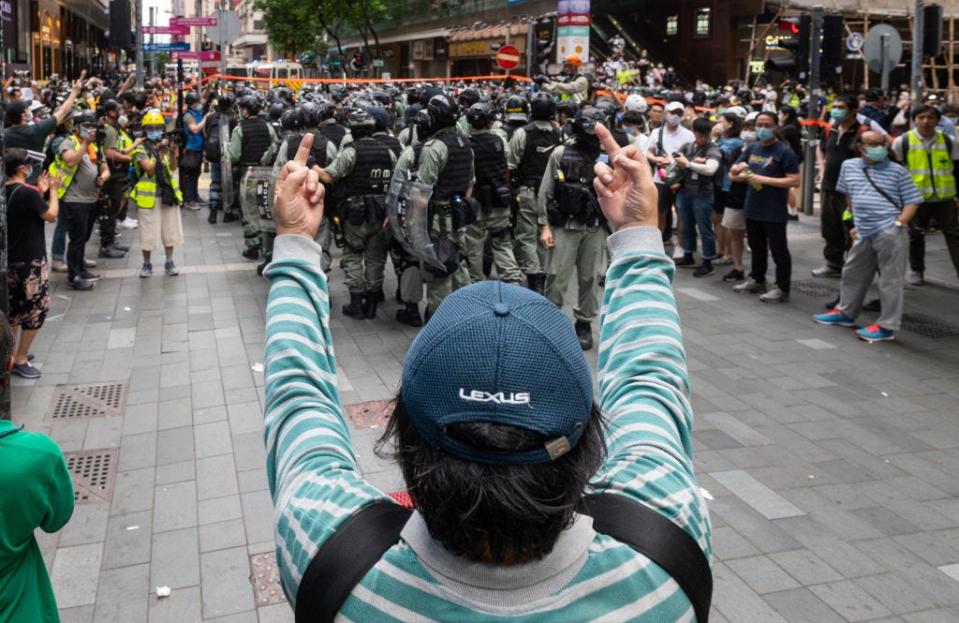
(356, 546)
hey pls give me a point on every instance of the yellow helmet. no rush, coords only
(153, 117)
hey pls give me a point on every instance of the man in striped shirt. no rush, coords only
(476, 569)
(883, 199)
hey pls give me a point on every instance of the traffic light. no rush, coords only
(833, 42)
(544, 36)
(932, 30)
(796, 63)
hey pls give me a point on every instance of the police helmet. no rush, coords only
(382, 116)
(542, 107)
(250, 103)
(584, 123)
(480, 115)
(325, 110)
(636, 103)
(567, 107)
(443, 110)
(517, 108)
(361, 122)
(225, 102)
(468, 97)
(383, 98)
(290, 120)
(276, 110)
(112, 106)
(311, 114)
(84, 117)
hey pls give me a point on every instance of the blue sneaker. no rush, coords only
(834, 318)
(875, 333)
(26, 370)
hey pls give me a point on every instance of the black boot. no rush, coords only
(399, 297)
(584, 331)
(229, 217)
(378, 295)
(252, 253)
(410, 315)
(537, 282)
(212, 218)
(355, 307)
(262, 265)
(369, 305)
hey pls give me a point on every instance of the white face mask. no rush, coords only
(673, 119)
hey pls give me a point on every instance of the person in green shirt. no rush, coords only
(36, 491)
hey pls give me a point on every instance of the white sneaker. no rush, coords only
(129, 223)
(678, 252)
(914, 278)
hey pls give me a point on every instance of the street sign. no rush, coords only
(205, 55)
(883, 50)
(854, 42)
(507, 57)
(165, 30)
(193, 21)
(166, 47)
(377, 62)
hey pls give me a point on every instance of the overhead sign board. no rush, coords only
(205, 55)
(166, 47)
(193, 21)
(165, 30)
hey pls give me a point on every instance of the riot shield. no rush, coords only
(226, 167)
(256, 190)
(407, 208)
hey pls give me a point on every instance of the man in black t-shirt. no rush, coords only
(19, 132)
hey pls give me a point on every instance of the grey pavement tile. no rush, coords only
(249, 451)
(182, 606)
(729, 544)
(245, 417)
(75, 574)
(175, 507)
(224, 535)
(799, 605)
(215, 510)
(88, 524)
(137, 451)
(277, 613)
(252, 480)
(209, 415)
(176, 559)
(895, 593)
(212, 439)
(892, 556)
(176, 472)
(884, 520)
(128, 540)
(208, 394)
(122, 595)
(173, 374)
(242, 617)
(737, 602)
(258, 516)
(133, 491)
(78, 614)
(225, 586)
(769, 503)
(806, 567)
(848, 560)
(939, 615)
(850, 600)
(762, 574)
(175, 445)
(103, 432)
(174, 413)
(216, 477)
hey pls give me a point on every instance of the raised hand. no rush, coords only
(298, 200)
(625, 191)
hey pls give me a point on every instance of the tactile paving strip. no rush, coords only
(372, 414)
(94, 474)
(815, 287)
(266, 580)
(88, 400)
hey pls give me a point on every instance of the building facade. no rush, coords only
(47, 37)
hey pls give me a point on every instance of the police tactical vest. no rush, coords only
(318, 150)
(392, 143)
(454, 179)
(256, 141)
(334, 132)
(539, 145)
(489, 157)
(574, 194)
(371, 170)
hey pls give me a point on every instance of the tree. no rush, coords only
(291, 25)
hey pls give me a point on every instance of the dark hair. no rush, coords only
(923, 109)
(790, 113)
(13, 113)
(769, 114)
(632, 117)
(735, 125)
(702, 126)
(851, 101)
(660, 104)
(503, 514)
(13, 159)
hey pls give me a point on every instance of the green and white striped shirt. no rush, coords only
(316, 485)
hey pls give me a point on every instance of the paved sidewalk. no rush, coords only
(833, 463)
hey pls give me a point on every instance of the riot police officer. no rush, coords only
(329, 127)
(527, 155)
(494, 196)
(363, 167)
(517, 114)
(575, 232)
(467, 98)
(252, 143)
(212, 152)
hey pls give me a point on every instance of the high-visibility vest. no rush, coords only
(931, 169)
(144, 192)
(61, 171)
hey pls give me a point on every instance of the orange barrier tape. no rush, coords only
(813, 122)
(283, 81)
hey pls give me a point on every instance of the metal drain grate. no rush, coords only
(928, 326)
(94, 474)
(814, 287)
(266, 580)
(370, 414)
(88, 400)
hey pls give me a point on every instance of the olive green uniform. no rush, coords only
(251, 217)
(529, 251)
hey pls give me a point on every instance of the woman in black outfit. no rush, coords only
(27, 274)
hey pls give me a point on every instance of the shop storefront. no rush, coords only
(473, 51)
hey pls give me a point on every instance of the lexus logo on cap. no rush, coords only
(500, 398)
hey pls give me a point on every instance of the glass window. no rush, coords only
(703, 18)
(672, 25)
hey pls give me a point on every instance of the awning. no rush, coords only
(489, 32)
(249, 39)
(410, 36)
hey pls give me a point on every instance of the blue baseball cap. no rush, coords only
(499, 354)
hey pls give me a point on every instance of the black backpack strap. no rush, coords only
(659, 539)
(345, 558)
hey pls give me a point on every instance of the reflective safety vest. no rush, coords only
(931, 169)
(61, 171)
(144, 192)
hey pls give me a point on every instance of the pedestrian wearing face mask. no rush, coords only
(883, 199)
(157, 194)
(664, 141)
(194, 122)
